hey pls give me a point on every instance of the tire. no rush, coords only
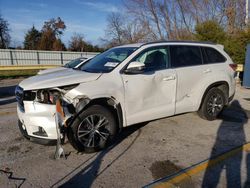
(93, 129)
(212, 104)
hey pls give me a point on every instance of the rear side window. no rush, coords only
(182, 56)
(211, 55)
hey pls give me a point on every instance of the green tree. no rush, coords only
(32, 39)
(4, 33)
(235, 45)
(210, 31)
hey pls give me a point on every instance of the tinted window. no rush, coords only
(182, 56)
(211, 55)
(153, 58)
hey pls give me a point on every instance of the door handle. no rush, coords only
(169, 78)
(207, 71)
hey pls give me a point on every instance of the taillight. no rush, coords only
(233, 66)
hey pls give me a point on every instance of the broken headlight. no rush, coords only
(49, 96)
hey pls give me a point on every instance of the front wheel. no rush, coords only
(212, 105)
(93, 129)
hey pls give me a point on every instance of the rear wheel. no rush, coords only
(212, 105)
(93, 129)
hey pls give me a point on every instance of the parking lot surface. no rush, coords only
(184, 150)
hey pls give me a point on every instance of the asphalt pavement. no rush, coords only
(178, 151)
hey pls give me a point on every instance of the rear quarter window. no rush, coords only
(211, 55)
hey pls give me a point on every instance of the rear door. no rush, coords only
(191, 73)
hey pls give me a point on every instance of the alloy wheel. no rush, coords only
(93, 130)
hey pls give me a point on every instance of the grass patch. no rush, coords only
(17, 73)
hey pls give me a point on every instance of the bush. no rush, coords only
(210, 31)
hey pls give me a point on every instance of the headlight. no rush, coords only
(49, 96)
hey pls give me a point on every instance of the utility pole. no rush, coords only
(246, 19)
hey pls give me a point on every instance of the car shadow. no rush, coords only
(89, 173)
(230, 135)
(7, 101)
(7, 94)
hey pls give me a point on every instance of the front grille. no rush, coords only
(19, 97)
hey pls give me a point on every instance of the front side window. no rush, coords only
(153, 58)
(211, 55)
(182, 56)
(108, 60)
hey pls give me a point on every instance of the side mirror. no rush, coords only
(135, 67)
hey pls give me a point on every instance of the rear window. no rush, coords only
(211, 55)
(182, 56)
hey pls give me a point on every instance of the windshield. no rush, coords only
(108, 60)
(74, 63)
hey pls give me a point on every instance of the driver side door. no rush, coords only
(150, 94)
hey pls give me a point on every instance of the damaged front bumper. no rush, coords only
(37, 140)
(38, 112)
(38, 121)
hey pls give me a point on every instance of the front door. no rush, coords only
(150, 94)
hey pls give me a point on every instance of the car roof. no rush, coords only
(180, 41)
(130, 45)
(168, 42)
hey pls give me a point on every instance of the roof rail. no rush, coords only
(178, 41)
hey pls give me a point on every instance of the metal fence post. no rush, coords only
(38, 59)
(11, 58)
(61, 58)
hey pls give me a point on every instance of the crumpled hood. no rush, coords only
(57, 79)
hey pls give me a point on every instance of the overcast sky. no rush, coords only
(87, 17)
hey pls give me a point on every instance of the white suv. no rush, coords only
(126, 85)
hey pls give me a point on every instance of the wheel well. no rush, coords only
(223, 86)
(111, 105)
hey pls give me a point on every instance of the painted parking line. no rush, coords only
(172, 180)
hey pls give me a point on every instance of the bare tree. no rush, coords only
(77, 43)
(122, 30)
(176, 19)
(115, 27)
(147, 12)
(4, 33)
